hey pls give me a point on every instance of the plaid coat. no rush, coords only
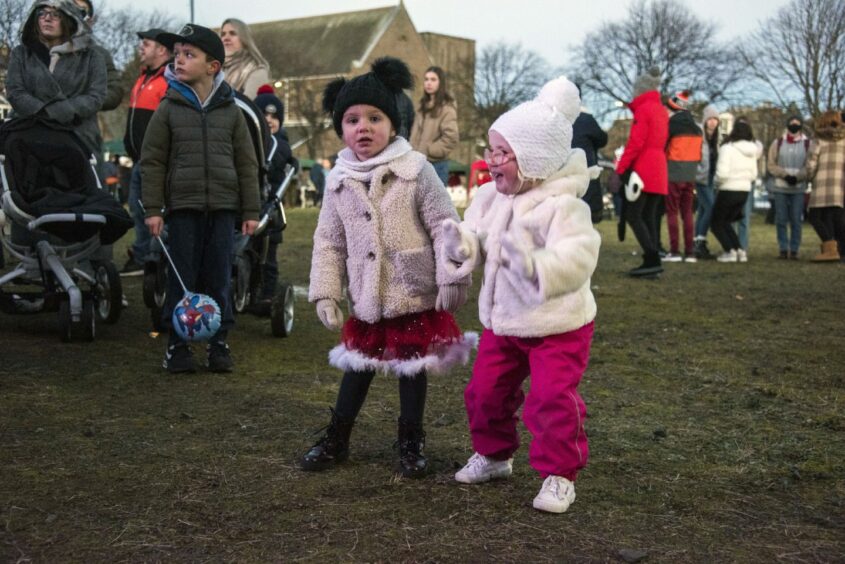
(826, 166)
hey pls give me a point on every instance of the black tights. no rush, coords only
(355, 385)
(729, 207)
(829, 223)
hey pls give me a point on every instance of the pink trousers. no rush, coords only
(554, 412)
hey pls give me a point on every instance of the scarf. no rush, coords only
(238, 67)
(363, 171)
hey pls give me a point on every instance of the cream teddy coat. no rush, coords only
(553, 224)
(383, 241)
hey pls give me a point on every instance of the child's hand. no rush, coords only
(155, 224)
(454, 246)
(517, 257)
(450, 297)
(248, 227)
(330, 314)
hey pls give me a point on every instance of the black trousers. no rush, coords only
(201, 247)
(355, 385)
(829, 223)
(642, 217)
(728, 208)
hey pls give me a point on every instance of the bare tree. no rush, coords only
(799, 54)
(662, 33)
(14, 13)
(506, 74)
(303, 101)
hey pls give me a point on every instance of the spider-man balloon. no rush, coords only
(196, 317)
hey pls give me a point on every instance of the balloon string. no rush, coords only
(173, 266)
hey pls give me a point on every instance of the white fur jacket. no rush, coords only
(553, 225)
(381, 237)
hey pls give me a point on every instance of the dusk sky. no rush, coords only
(546, 26)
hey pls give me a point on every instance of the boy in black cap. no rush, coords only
(199, 171)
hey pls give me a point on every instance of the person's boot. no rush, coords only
(705, 251)
(650, 267)
(830, 252)
(332, 448)
(412, 463)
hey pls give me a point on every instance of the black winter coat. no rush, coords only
(590, 137)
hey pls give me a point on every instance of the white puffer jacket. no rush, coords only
(736, 167)
(554, 223)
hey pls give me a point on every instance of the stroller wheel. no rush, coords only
(241, 284)
(155, 292)
(108, 291)
(281, 311)
(155, 284)
(82, 330)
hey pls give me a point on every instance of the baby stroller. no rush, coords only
(248, 272)
(250, 252)
(59, 217)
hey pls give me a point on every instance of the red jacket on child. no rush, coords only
(645, 151)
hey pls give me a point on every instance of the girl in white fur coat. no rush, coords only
(379, 234)
(533, 234)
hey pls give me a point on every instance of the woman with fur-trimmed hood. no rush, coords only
(826, 167)
(54, 73)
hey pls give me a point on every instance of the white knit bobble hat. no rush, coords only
(540, 131)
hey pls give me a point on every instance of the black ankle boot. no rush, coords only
(651, 266)
(412, 462)
(332, 448)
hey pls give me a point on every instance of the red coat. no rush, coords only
(646, 147)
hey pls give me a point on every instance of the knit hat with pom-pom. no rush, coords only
(679, 101)
(650, 80)
(379, 87)
(269, 103)
(540, 131)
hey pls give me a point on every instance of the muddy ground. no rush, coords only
(717, 433)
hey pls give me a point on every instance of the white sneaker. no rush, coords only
(742, 255)
(690, 258)
(479, 469)
(556, 495)
(729, 256)
(672, 257)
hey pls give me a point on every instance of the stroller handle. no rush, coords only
(66, 218)
(275, 200)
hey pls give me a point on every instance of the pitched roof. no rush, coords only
(321, 45)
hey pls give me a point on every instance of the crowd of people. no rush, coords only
(672, 164)
(389, 240)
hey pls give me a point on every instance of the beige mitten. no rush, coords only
(330, 314)
(450, 297)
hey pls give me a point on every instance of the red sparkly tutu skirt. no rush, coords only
(427, 341)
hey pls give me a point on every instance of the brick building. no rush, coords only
(307, 53)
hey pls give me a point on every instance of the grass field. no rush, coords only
(717, 433)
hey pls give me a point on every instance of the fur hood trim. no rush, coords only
(571, 180)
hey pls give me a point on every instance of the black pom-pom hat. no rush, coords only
(379, 88)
